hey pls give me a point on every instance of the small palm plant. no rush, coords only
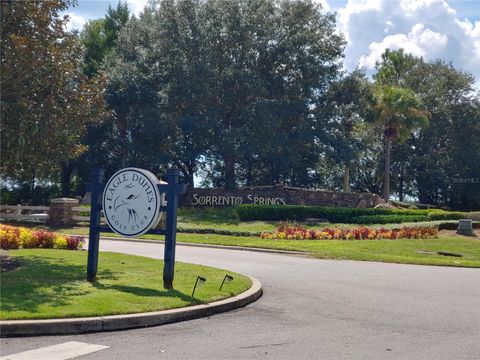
(398, 112)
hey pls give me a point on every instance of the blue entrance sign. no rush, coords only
(131, 201)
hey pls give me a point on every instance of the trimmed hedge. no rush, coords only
(454, 225)
(248, 212)
(445, 215)
(388, 219)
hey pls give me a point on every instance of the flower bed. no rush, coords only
(289, 232)
(12, 237)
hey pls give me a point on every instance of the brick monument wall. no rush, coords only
(277, 195)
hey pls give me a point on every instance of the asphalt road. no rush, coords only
(311, 309)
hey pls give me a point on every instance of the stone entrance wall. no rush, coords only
(277, 195)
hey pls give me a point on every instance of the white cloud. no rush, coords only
(428, 28)
(136, 6)
(419, 42)
(325, 6)
(75, 22)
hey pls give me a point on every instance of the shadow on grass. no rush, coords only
(140, 291)
(37, 282)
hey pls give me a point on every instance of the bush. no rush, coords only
(27, 240)
(8, 240)
(60, 242)
(75, 242)
(250, 212)
(227, 214)
(21, 193)
(388, 219)
(44, 239)
(289, 232)
(12, 237)
(445, 215)
(300, 212)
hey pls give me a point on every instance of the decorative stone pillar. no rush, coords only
(60, 212)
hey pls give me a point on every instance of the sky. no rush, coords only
(434, 29)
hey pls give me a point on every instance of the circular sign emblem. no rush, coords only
(131, 201)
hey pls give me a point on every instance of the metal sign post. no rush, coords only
(172, 190)
(96, 189)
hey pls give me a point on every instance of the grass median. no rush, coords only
(404, 251)
(51, 284)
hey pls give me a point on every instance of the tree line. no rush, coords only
(235, 93)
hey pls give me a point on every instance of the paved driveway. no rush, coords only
(311, 309)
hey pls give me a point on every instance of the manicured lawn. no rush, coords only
(247, 226)
(404, 251)
(51, 284)
(254, 227)
(408, 251)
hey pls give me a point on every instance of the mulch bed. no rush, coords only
(7, 263)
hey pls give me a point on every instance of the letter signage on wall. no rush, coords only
(220, 200)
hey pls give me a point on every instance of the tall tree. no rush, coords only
(268, 73)
(46, 101)
(219, 73)
(99, 36)
(399, 112)
(348, 103)
(440, 160)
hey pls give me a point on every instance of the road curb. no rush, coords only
(209, 246)
(10, 328)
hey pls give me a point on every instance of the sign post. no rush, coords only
(132, 203)
(171, 224)
(96, 188)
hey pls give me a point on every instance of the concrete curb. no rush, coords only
(10, 328)
(210, 246)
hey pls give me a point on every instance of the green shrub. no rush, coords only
(445, 215)
(226, 214)
(300, 212)
(388, 219)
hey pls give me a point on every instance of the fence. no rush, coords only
(84, 215)
(23, 213)
(61, 212)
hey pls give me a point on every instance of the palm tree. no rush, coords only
(398, 112)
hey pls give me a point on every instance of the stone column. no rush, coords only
(60, 212)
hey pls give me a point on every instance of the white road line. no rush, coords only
(63, 351)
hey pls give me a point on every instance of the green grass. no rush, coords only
(246, 226)
(403, 251)
(51, 284)
(255, 227)
(409, 251)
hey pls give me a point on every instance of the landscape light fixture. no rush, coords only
(200, 281)
(227, 279)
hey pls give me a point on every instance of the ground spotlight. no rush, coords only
(227, 279)
(200, 281)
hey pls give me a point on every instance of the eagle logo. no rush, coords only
(127, 201)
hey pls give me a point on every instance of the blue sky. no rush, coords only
(445, 29)
(94, 9)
